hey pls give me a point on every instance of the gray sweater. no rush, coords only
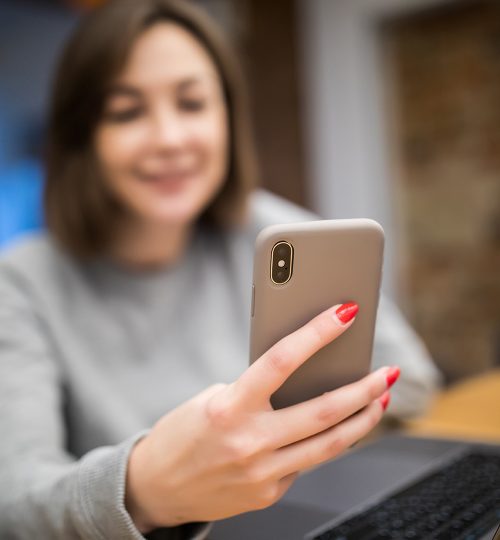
(91, 355)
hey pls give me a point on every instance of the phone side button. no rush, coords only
(253, 299)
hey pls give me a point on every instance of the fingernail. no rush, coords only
(347, 312)
(385, 398)
(392, 375)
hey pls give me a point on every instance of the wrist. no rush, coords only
(134, 488)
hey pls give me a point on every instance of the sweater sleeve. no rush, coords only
(397, 344)
(46, 493)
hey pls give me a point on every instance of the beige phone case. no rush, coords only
(334, 261)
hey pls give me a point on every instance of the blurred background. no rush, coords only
(388, 109)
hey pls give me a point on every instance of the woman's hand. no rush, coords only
(226, 451)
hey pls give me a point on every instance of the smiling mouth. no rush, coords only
(171, 176)
(169, 182)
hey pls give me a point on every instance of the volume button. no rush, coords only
(253, 300)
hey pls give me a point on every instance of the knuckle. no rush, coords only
(217, 387)
(320, 331)
(328, 410)
(268, 495)
(255, 475)
(241, 450)
(335, 446)
(278, 358)
(219, 412)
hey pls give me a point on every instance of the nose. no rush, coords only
(168, 130)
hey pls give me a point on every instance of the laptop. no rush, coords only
(387, 480)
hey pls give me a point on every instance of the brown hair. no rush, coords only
(80, 212)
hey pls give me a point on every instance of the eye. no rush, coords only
(125, 115)
(192, 105)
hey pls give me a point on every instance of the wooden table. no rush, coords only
(469, 409)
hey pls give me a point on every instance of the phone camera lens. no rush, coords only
(281, 251)
(281, 262)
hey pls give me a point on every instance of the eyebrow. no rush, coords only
(186, 83)
(121, 89)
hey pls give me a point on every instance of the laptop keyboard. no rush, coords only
(458, 502)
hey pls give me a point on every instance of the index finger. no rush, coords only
(274, 367)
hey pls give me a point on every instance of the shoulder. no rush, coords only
(32, 252)
(34, 263)
(269, 209)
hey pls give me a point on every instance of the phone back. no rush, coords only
(334, 261)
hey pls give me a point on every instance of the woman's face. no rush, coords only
(162, 143)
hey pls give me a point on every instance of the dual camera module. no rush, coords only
(281, 263)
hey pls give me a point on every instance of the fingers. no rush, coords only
(328, 444)
(311, 417)
(273, 368)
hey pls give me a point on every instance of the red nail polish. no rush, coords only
(392, 375)
(347, 312)
(385, 399)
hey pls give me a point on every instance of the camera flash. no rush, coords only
(281, 263)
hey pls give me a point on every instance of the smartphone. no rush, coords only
(301, 269)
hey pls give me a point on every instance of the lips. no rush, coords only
(167, 176)
(169, 181)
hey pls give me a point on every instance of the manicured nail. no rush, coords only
(385, 398)
(347, 312)
(392, 375)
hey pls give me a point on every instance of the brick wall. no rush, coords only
(445, 67)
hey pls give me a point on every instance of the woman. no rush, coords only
(138, 299)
